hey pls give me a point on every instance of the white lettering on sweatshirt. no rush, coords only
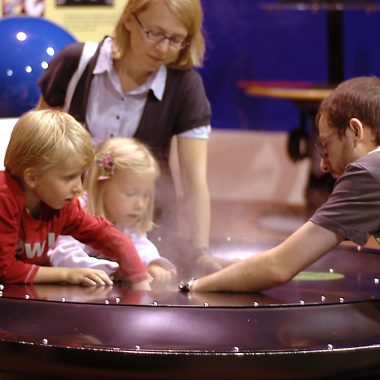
(36, 249)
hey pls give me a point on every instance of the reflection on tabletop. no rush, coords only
(346, 274)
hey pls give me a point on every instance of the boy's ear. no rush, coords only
(30, 177)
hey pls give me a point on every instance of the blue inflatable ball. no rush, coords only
(27, 45)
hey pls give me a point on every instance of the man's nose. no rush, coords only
(324, 165)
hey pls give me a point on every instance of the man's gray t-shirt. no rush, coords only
(353, 208)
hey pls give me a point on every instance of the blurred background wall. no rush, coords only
(251, 40)
(248, 42)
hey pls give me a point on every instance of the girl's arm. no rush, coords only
(159, 268)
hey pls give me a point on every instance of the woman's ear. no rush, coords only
(127, 17)
(30, 177)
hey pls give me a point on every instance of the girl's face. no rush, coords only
(157, 19)
(127, 197)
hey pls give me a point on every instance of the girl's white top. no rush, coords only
(69, 252)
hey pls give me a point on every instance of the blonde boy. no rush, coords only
(47, 154)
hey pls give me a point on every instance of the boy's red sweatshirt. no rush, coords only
(24, 240)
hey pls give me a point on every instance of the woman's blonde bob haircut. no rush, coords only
(43, 139)
(189, 12)
(126, 154)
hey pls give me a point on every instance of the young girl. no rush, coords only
(119, 186)
(46, 156)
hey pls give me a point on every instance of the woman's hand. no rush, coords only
(207, 264)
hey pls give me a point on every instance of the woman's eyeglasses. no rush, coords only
(175, 42)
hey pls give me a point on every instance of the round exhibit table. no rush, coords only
(323, 323)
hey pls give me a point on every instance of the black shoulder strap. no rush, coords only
(88, 52)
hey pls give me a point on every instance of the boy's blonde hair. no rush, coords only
(121, 153)
(45, 138)
(189, 12)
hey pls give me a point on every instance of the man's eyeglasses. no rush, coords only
(321, 148)
(175, 42)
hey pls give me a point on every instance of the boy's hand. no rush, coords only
(87, 277)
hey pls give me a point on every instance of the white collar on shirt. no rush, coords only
(156, 82)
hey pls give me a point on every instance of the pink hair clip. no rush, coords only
(107, 167)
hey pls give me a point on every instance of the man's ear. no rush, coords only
(357, 127)
(30, 177)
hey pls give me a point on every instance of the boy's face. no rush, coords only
(59, 184)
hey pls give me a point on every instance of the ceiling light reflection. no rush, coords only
(21, 36)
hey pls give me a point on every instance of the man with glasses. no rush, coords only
(349, 138)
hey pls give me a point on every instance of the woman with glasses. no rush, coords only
(141, 82)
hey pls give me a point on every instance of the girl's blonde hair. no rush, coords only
(119, 153)
(45, 138)
(189, 12)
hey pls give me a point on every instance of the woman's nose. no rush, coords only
(163, 45)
